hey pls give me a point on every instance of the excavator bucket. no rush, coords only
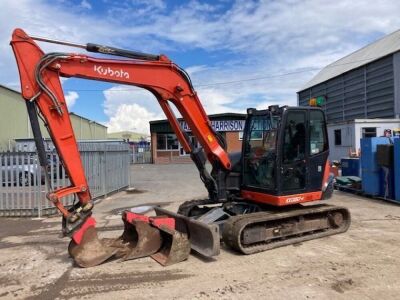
(143, 236)
(152, 236)
(90, 251)
(139, 239)
(175, 246)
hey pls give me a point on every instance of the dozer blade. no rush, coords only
(139, 239)
(175, 247)
(91, 251)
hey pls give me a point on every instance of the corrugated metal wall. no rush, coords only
(366, 92)
(14, 122)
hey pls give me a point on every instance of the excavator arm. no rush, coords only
(41, 87)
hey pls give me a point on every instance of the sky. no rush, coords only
(239, 54)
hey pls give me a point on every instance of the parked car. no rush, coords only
(25, 170)
(19, 170)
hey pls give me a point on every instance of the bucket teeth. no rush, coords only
(139, 239)
(90, 251)
(175, 247)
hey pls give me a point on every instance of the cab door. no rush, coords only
(318, 149)
(294, 137)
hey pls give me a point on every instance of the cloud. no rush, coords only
(47, 19)
(130, 108)
(85, 4)
(238, 40)
(71, 98)
(132, 117)
(215, 101)
(123, 94)
(196, 69)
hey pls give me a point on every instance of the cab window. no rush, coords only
(259, 156)
(317, 133)
(294, 139)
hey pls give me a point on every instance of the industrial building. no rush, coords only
(165, 147)
(128, 136)
(14, 122)
(362, 86)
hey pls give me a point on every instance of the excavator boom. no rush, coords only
(41, 88)
(40, 84)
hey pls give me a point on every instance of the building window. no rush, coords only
(369, 132)
(193, 142)
(161, 142)
(338, 137)
(240, 135)
(167, 142)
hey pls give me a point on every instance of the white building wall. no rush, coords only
(380, 128)
(352, 133)
(339, 151)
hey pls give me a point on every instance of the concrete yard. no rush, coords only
(363, 263)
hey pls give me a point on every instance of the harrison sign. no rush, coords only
(227, 125)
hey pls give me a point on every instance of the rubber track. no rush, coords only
(235, 225)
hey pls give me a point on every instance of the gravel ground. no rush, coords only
(363, 263)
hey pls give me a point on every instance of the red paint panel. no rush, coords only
(327, 171)
(130, 217)
(78, 235)
(281, 200)
(163, 221)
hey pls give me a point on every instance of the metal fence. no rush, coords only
(22, 186)
(141, 154)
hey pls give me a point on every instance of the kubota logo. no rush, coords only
(111, 72)
(294, 199)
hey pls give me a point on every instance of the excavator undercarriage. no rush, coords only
(256, 230)
(249, 228)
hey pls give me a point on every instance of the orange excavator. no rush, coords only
(254, 198)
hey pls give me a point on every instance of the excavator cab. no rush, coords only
(285, 151)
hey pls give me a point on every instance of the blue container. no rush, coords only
(372, 182)
(351, 167)
(368, 152)
(397, 169)
(373, 178)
